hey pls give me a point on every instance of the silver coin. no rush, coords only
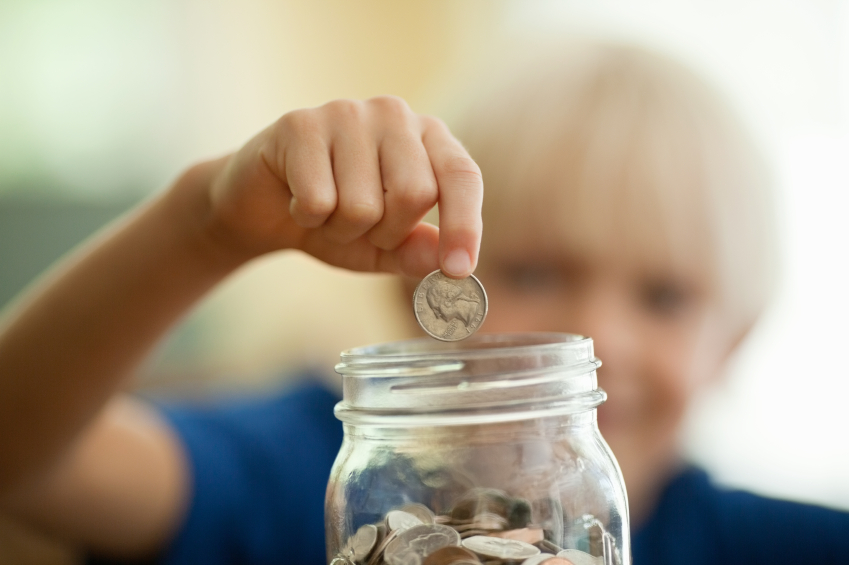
(400, 521)
(507, 549)
(377, 555)
(537, 559)
(449, 309)
(341, 560)
(412, 546)
(420, 511)
(527, 535)
(579, 557)
(363, 541)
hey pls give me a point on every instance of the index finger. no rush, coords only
(460, 187)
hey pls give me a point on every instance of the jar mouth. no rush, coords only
(478, 345)
(488, 376)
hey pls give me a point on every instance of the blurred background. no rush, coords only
(103, 102)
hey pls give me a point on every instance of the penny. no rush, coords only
(450, 555)
(578, 557)
(400, 520)
(449, 309)
(507, 549)
(416, 543)
(362, 542)
(557, 561)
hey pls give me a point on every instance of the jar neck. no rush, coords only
(486, 379)
(552, 427)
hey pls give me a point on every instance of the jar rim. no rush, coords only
(488, 375)
(476, 346)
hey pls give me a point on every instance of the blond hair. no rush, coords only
(610, 141)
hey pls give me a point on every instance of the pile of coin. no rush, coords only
(485, 527)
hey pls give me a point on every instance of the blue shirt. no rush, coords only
(260, 470)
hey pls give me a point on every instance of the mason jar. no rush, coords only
(480, 451)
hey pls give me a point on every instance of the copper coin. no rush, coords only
(450, 555)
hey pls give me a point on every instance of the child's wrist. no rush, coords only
(209, 240)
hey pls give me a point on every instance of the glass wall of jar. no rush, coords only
(481, 451)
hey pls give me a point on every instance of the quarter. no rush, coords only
(449, 309)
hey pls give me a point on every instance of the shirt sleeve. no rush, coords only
(259, 471)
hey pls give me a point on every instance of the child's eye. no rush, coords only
(665, 298)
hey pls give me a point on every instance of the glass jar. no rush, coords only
(480, 451)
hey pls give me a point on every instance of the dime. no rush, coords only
(362, 542)
(450, 555)
(413, 545)
(449, 309)
(400, 520)
(578, 557)
(507, 549)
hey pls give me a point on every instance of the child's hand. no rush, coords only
(349, 183)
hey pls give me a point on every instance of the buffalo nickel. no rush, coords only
(449, 309)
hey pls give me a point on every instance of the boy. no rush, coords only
(626, 205)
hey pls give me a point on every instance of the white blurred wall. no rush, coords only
(101, 97)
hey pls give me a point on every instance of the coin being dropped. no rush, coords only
(449, 309)
(507, 549)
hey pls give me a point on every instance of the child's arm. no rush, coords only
(347, 182)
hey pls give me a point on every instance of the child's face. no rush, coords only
(656, 329)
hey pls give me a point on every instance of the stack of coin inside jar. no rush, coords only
(484, 527)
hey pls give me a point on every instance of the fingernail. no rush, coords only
(457, 263)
